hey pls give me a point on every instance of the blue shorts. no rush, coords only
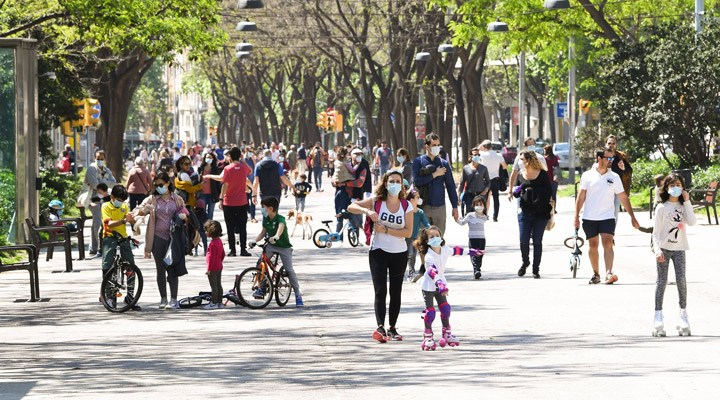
(594, 228)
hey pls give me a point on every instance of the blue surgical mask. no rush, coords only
(394, 189)
(400, 159)
(209, 160)
(100, 163)
(476, 159)
(435, 241)
(117, 203)
(675, 191)
(161, 189)
(59, 212)
(263, 211)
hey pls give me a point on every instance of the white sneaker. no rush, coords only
(220, 305)
(172, 305)
(163, 303)
(210, 306)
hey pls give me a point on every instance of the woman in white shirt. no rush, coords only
(392, 216)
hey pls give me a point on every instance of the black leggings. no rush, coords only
(383, 264)
(477, 260)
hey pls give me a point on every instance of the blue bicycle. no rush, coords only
(323, 238)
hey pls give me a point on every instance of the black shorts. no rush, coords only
(594, 228)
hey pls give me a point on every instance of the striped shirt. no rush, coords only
(476, 223)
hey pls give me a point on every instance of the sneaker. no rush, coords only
(299, 302)
(211, 306)
(259, 293)
(392, 334)
(92, 253)
(380, 335)
(172, 305)
(163, 303)
(477, 274)
(411, 274)
(521, 271)
(594, 280)
(610, 278)
(536, 275)
(220, 305)
(231, 254)
(245, 253)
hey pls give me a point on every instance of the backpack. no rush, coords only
(369, 224)
(504, 178)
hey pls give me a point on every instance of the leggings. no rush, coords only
(678, 259)
(383, 264)
(159, 248)
(477, 260)
(439, 298)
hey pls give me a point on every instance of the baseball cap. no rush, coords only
(486, 143)
(356, 151)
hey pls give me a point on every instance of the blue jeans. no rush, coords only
(531, 226)
(251, 206)
(209, 204)
(342, 201)
(317, 171)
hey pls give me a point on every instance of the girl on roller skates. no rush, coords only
(434, 286)
(669, 239)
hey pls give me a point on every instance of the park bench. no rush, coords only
(31, 265)
(707, 201)
(58, 236)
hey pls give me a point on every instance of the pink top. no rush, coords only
(206, 183)
(215, 255)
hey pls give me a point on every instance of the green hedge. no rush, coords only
(7, 201)
(644, 173)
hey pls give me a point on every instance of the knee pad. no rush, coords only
(445, 310)
(428, 315)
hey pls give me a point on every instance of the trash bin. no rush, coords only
(686, 175)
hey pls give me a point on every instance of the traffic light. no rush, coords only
(585, 105)
(92, 112)
(80, 112)
(66, 127)
(331, 120)
(322, 120)
(338, 122)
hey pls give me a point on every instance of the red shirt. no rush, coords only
(215, 255)
(235, 175)
(552, 163)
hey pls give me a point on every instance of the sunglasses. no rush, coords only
(609, 158)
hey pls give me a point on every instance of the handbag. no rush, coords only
(83, 199)
(503, 179)
(168, 259)
(551, 222)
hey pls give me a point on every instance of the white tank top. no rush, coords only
(396, 220)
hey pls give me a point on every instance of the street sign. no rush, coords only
(96, 110)
(561, 109)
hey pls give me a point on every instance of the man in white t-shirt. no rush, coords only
(519, 166)
(598, 187)
(492, 161)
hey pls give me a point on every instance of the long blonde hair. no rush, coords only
(531, 160)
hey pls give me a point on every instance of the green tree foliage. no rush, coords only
(663, 92)
(149, 109)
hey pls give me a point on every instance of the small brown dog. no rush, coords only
(302, 219)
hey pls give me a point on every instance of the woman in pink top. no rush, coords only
(138, 183)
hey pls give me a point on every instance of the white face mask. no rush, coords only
(394, 189)
(435, 150)
(400, 159)
(479, 209)
(358, 158)
(100, 163)
(209, 160)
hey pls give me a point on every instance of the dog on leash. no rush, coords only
(302, 219)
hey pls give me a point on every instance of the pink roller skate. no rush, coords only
(428, 342)
(448, 338)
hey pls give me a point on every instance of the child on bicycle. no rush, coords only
(476, 235)
(275, 227)
(115, 215)
(434, 286)
(214, 259)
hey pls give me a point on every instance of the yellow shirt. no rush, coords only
(111, 213)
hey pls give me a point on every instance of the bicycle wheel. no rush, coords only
(121, 287)
(282, 287)
(353, 237)
(252, 290)
(316, 238)
(192, 301)
(574, 264)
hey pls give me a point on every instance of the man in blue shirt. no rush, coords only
(437, 182)
(268, 177)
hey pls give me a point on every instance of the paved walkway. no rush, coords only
(555, 337)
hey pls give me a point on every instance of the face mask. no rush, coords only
(281, 159)
(435, 242)
(162, 189)
(117, 203)
(479, 209)
(209, 160)
(100, 163)
(263, 211)
(59, 212)
(476, 159)
(435, 150)
(358, 158)
(675, 191)
(400, 159)
(394, 189)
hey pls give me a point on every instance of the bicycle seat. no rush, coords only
(327, 221)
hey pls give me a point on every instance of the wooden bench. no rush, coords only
(59, 236)
(708, 200)
(31, 265)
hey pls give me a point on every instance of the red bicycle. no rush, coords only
(257, 285)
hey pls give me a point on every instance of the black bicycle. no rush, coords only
(206, 297)
(574, 242)
(122, 284)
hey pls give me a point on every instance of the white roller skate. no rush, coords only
(428, 342)
(684, 327)
(658, 325)
(448, 338)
